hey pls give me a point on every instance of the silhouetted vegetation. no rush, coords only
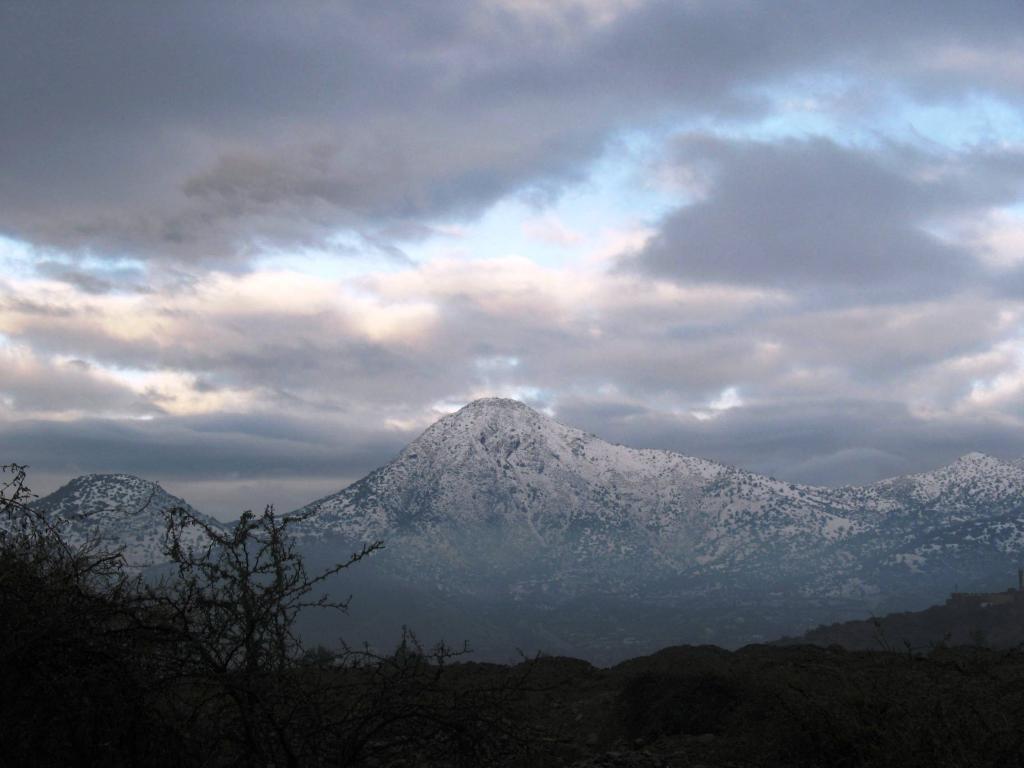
(203, 668)
(957, 623)
(789, 706)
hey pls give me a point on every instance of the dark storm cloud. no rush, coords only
(28, 385)
(832, 441)
(93, 281)
(202, 131)
(224, 447)
(300, 362)
(812, 213)
(881, 344)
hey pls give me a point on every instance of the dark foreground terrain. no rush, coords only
(957, 623)
(684, 706)
(784, 706)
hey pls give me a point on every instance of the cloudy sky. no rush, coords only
(250, 250)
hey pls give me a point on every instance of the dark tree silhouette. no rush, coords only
(73, 665)
(204, 665)
(234, 603)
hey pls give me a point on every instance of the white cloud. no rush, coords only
(726, 400)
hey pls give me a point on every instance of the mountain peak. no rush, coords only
(974, 457)
(496, 404)
(121, 478)
(974, 462)
(123, 512)
(490, 413)
(117, 494)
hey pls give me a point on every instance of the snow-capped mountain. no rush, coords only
(546, 536)
(959, 524)
(500, 496)
(973, 485)
(121, 512)
(499, 489)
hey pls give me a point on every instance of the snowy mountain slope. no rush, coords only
(497, 499)
(500, 493)
(953, 523)
(120, 511)
(501, 483)
(974, 484)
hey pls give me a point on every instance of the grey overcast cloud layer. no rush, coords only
(252, 249)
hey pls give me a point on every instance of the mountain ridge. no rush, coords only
(492, 462)
(508, 446)
(504, 509)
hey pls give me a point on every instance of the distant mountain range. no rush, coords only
(503, 522)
